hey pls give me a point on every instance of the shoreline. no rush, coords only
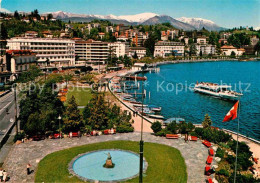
(164, 62)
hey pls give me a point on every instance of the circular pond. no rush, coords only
(89, 166)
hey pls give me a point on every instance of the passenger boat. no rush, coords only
(220, 91)
(156, 116)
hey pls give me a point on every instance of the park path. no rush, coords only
(194, 153)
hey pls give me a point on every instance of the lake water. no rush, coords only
(193, 106)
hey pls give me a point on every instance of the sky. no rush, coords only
(226, 13)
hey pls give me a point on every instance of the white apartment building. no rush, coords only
(119, 48)
(140, 52)
(92, 51)
(206, 49)
(18, 61)
(60, 52)
(201, 40)
(168, 48)
(227, 50)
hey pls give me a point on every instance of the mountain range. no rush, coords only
(142, 18)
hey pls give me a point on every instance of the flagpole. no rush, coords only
(235, 175)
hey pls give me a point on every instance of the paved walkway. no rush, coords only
(195, 153)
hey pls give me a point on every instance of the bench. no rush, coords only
(209, 180)
(206, 143)
(211, 152)
(209, 160)
(172, 136)
(73, 134)
(193, 138)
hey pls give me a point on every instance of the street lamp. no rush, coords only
(59, 125)
(141, 140)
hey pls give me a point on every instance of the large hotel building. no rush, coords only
(92, 51)
(60, 52)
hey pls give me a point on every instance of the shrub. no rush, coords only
(122, 128)
(19, 136)
(156, 126)
(163, 132)
(172, 127)
(224, 145)
(220, 153)
(243, 179)
(223, 172)
(193, 134)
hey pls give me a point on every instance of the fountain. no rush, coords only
(109, 163)
(98, 165)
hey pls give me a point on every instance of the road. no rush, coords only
(6, 101)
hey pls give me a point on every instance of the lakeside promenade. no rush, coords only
(253, 144)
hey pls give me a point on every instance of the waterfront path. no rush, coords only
(194, 153)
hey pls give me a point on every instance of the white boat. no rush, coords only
(220, 91)
(156, 116)
(140, 105)
(155, 108)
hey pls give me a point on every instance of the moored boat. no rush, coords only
(156, 116)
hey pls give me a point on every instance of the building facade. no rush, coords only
(206, 49)
(140, 52)
(18, 61)
(168, 48)
(119, 48)
(59, 52)
(91, 51)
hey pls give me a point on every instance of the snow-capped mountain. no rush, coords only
(138, 17)
(199, 23)
(142, 18)
(130, 18)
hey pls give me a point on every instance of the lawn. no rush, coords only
(82, 95)
(165, 164)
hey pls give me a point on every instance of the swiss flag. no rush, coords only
(232, 114)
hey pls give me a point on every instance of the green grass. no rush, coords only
(82, 95)
(165, 164)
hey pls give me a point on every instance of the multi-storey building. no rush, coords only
(227, 50)
(139, 51)
(59, 52)
(92, 51)
(4, 73)
(168, 48)
(119, 48)
(202, 40)
(206, 49)
(18, 61)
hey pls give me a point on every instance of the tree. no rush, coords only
(233, 54)
(73, 119)
(49, 16)
(30, 75)
(96, 113)
(207, 121)
(67, 78)
(200, 53)
(127, 61)
(149, 44)
(156, 126)
(16, 15)
(172, 127)
(39, 110)
(135, 56)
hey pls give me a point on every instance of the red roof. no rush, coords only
(20, 52)
(228, 47)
